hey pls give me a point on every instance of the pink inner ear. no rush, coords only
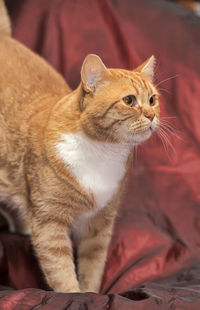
(92, 74)
(147, 68)
(93, 70)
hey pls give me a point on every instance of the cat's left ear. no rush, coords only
(93, 71)
(147, 68)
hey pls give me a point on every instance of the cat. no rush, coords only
(65, 155)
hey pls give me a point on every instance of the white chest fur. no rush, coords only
(97, 166)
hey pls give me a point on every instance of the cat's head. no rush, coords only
(118, 105)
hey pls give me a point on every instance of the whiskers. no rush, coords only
(167, 79)
(160, 89)
(135, 152)
(164, 131)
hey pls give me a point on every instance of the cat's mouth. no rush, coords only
(143, 134)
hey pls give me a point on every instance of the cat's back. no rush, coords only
(25, 76)
(29, 86)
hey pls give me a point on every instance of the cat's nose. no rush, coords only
(149, 115)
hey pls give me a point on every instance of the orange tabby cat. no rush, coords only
(65, 154)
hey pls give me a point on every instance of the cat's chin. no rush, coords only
(138, 138)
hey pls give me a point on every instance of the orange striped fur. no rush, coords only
(65, 155)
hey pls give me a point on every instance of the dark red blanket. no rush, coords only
(154, 258)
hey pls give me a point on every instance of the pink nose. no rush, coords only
(149, 115)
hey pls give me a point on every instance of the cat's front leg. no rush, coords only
(92, 252)
(53, 248)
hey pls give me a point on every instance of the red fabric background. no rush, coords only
(157, 232)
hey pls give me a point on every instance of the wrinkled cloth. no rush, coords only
(154, 257)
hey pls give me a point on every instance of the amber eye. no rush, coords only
(152, 100)
(130, 100)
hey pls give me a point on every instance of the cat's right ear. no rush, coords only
(147, 68)
(93, 71)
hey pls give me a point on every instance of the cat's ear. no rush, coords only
(93, 71)
(147, 68)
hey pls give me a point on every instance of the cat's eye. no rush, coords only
(152, 100)
(130, 100)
